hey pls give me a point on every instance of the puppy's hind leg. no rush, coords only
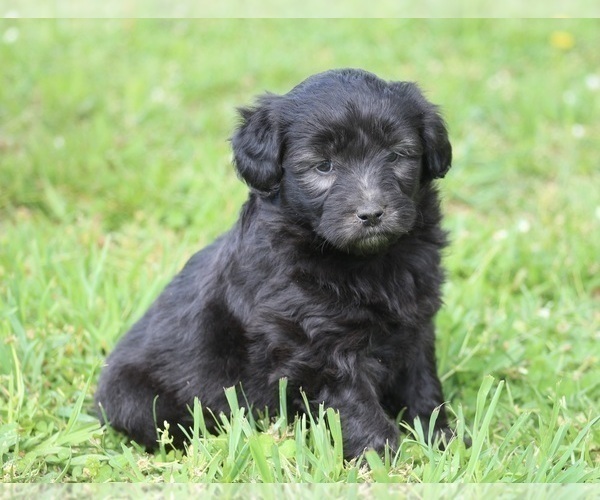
(128, 401)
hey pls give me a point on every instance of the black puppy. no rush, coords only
(331, 277)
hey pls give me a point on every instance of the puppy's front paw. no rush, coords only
(390, 437)
(443, 435)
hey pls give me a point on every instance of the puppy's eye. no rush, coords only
(325, 167)
(394, 156)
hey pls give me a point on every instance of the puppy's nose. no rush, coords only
(370, 214)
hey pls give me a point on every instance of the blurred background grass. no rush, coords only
(115, 167)
(91, 107)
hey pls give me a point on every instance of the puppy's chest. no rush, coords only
(354, 327)
(372, 316)
(347, 341)
(333, 331)
(383, 300)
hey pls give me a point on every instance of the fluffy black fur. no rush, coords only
(331, 277)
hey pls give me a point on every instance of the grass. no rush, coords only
(115, 168)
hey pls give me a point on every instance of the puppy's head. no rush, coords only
(346, 154)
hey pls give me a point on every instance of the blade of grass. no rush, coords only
(283, 403)
(260, 459)
(480, 431)
(571, 448)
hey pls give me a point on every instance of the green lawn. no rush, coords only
(115, 168)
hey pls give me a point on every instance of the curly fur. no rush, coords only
(331, 277)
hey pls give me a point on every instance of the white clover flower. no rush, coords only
(500, 235)
(578, 130)
(523, 226)
(158, 95)
(544, 312)
(11, 35)
(592, 82)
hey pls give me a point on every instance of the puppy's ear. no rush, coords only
(437, 157)
(256, 146)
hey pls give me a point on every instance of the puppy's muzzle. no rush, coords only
(370, 214)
